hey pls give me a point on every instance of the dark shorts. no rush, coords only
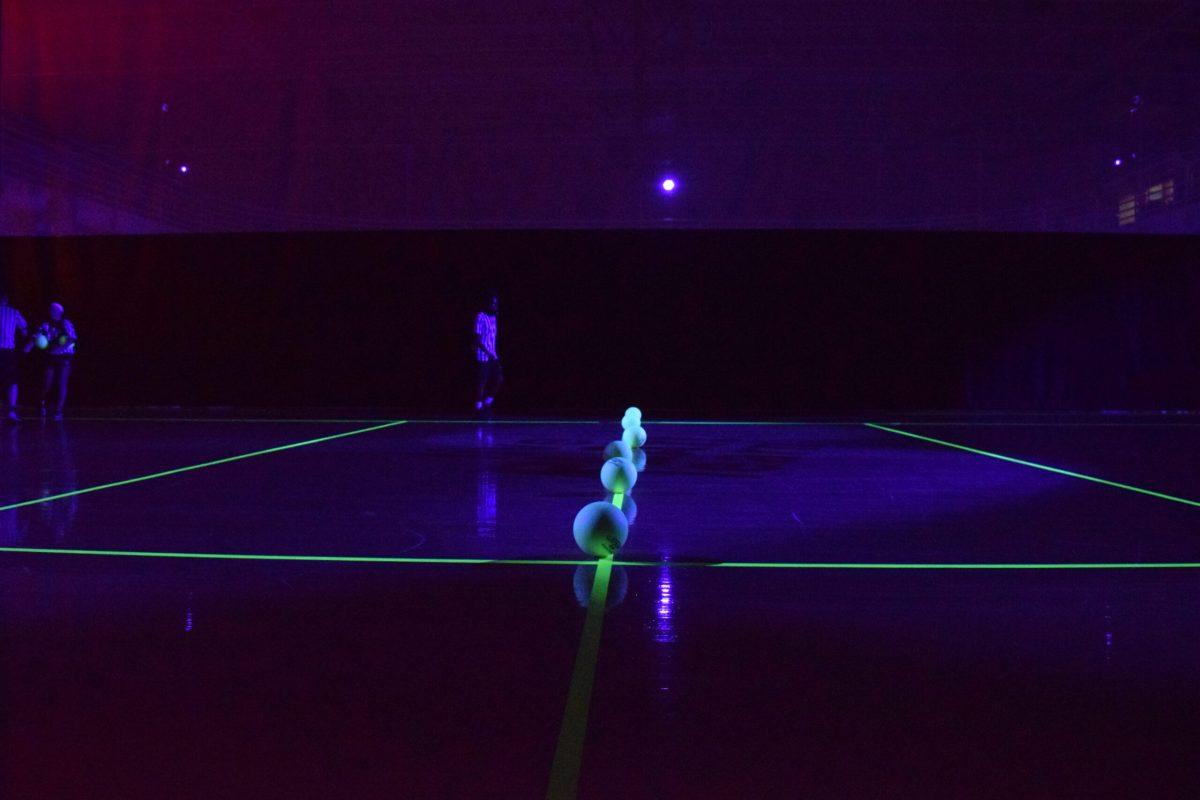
(8, 367)
(489, 371)
(59, 360)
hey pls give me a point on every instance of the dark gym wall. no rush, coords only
(698, 322)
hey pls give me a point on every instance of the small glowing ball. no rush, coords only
(618, 474)
(635, 413)
(639, 460)
(628, 422)
(635, 437)
(668, 185)
(618, 449)
(62, 339)
(600, 529)
(41, 341)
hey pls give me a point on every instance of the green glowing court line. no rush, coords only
(743, 423)
(813, 565)
(243, 420)
(555, 562)
(1150, 422)
(568, 753)
(192, 467)
(245, 556)
(1147, 424)
(253, 420)
(1035, 465)
(463, 421)
(508, 422)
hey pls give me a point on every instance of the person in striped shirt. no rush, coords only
(487, 360)
(56, 364)
(11, 323)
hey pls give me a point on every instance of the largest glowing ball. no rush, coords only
(600, 529)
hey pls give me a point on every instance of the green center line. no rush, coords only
(1035, 465)
(193, 467)
(568, 753)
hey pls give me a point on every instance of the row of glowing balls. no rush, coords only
(601, 528)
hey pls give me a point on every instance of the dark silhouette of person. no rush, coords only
(487, 358)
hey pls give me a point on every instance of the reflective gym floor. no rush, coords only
(929, 606)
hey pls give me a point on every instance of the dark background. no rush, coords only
(306, 199)
(698, 322)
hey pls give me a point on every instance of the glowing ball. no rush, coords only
(600, 529)
(628, 422)
(585, 576)
(635, 437)
(41, 341)
(618, 449)
(62, 339)
(639, 460)
(618, 474)
(635, 413)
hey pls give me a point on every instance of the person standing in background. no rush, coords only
(60, 351)
(11, 323)
(487, 360)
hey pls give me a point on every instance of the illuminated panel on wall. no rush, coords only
(1127, 210)
(1161, 192)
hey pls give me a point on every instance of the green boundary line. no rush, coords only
(193, 467)
(568, 562)
(242, 420)
(1149, 423)
(296, 420)
(1035, 465)
(945, 566)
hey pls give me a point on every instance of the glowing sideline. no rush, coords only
(568, 562)
(193, 467)
(1035, 465)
